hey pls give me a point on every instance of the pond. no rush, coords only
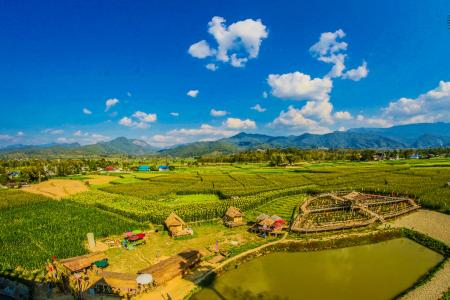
(375, 271)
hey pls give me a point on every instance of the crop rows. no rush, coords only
(156, 211)
(32, 234)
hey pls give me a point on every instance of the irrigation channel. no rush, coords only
(374, 271)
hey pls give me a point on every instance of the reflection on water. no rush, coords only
(376, 271)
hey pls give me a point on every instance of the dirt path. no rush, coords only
(437, 226)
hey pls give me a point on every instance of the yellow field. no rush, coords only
(57, 188)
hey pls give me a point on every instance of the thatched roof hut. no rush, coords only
(261, 217)
(176, 265)
(122, 281)
(267, 222)
(233, 217)
(79, 263)
(176, 225)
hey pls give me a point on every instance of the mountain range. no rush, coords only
(424, 135)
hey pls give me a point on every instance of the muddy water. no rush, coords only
(376, 271)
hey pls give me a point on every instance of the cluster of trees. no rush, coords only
(277, 157)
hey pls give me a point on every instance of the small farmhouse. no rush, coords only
(81, 263)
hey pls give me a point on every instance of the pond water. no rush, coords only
(375, 271)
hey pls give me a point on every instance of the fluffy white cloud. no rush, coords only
(329, 49)
(358, 73)
(86, 111)
(299, 86)
(145, 117)
(110, 103)
(138, 120)
(295, 119)
(329, 44)
(236, 43)
(236, 123)
(125, 121)
(205, 129)
(201, 50)
(192, 93)
(265, 94)
(211, 67)
(174, 114)
(433, 106)
(343, 115)
(218, 113)
(20, 133)
(258, 108)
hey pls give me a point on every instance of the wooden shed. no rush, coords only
(172, 267)
(233, 217)
(115, 283)
(80, 263)
(176, 226)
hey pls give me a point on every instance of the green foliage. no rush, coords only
(14, 198)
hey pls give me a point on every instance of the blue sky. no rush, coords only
(311, 67)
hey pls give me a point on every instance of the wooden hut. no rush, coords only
(233, 217)
(172, 267)
(80, 263)
(176, 226)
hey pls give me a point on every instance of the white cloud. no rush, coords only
(295, 119)
(358, 73)
(433, 106)
(212, 67)
(218, 113)
(129, 94)
(145, 117)
(20, 133)
(53, 131)
(89, 138)
(125, 121)
(236, 43)
(138, 120)
(329, 44)
(343, 115)
(192, 93)
(299, 86)
(86, 111)
(6, 137)
(258, 108)
(205, 132)
(238, 62)
(265, 94)
(110, 103)
(236, 123)
(201, 50)
(329, 49)
(174, 114)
